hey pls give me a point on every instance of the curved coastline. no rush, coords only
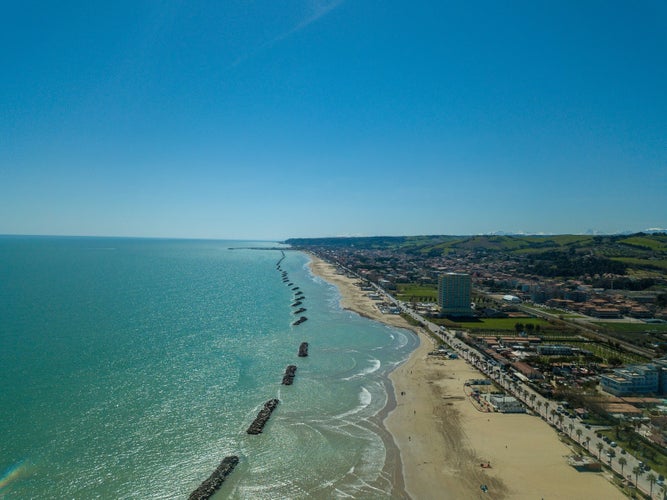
(353, 299)
(439, 439)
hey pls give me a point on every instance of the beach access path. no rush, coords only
(444, 440)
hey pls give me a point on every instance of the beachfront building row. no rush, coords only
(650, 378)
(454, 293)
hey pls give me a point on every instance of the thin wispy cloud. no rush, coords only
(319, 9)
(316, 10)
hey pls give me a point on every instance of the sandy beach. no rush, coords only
(443, 439)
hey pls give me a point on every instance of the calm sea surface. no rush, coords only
(129, 368)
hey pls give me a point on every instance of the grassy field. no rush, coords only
(503, 324)
(651, 263)
(420, 293)
(633, 327)
(655, 243)
(606, 353)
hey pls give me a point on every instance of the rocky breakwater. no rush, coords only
(290, 372)
(303, 350)
(215, 480)
(263, 417)
(299, 321)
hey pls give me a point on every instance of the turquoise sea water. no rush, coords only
(129, 368)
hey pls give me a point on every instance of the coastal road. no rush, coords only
(545, 408)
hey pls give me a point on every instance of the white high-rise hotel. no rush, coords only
(454, 291)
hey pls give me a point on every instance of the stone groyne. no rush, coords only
(303, 350)
(215, 480)
(300, 320)
(290, 372)
(263, 417)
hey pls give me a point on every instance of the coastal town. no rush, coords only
(584, 352)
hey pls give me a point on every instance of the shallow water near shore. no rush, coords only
(131, 367)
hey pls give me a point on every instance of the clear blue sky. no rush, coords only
(270, 119)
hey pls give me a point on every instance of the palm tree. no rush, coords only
(571, 427)
(579, 432)
(588, 441)
(539, 406)
(651, 479)
(637, 471)
(611, 454)
(622, 462)
(599, 446)
(553, 414)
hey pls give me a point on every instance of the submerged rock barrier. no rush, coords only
(297, 303)
(299, 321)
(300, 310)
(263, 417)
(303, 350)
(215, 480)
(290, 372)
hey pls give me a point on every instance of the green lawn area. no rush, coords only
(412, 291)
(501, 324)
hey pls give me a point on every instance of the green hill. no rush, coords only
(553, 255)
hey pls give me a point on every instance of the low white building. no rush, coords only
(506, 404)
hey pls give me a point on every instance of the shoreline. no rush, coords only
(442, 439)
